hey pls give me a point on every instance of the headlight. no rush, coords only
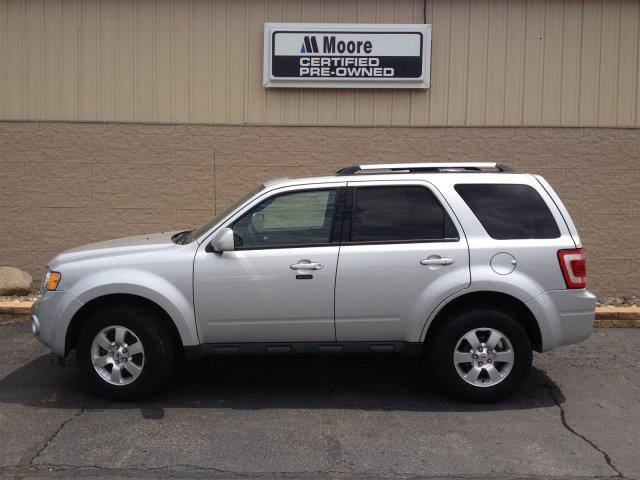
(51, 280)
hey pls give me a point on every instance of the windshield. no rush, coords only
(204, 228)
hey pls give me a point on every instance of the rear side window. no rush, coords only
(389, 214)
(509, 212)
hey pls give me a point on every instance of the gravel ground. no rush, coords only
(632, 301)
(18, 298)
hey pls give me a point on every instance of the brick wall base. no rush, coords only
(65, 184)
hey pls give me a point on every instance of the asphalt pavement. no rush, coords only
(316, 417)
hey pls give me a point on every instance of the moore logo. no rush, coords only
(309, 45)
(331, 45)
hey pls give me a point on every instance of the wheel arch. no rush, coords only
(500, 301)
(91, 306)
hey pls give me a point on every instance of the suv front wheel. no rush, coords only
(124, 352)
(481, 355)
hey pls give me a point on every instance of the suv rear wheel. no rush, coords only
(481, 355)
(124, 352)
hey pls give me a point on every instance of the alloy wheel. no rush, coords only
(117, 355)
(483, 357)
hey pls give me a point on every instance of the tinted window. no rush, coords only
(398, 214)
(510, 211)
(290, 219)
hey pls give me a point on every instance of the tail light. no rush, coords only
(574, 267)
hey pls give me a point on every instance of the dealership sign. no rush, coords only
(342, 55)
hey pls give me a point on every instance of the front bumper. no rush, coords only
(50, 318)
(564, 316)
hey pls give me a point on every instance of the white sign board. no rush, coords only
(324, 55)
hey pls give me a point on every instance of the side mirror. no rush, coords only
(223, 241)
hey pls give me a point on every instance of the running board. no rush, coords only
(220, 349)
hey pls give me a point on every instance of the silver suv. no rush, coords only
(468, 265)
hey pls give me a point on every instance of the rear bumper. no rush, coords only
(564, 316)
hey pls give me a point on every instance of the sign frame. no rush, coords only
(376, 29)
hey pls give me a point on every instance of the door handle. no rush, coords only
(306, 265)
(431, 261)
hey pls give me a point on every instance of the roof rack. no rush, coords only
(426, 168)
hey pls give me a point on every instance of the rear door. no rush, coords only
(402, 253)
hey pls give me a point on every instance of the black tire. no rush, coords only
(159, 350)
(443, 341)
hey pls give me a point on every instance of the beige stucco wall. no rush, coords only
(65, 184)
(495, 62)
(167, 68)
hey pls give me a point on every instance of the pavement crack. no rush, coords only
(569, 428)
(52, 437)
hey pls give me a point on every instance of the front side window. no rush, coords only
(509, 211)
(402, 213)
(289, 219)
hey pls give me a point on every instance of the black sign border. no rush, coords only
(329, 79)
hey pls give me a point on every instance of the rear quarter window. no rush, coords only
(509, 211)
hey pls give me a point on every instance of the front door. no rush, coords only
(278, 284)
